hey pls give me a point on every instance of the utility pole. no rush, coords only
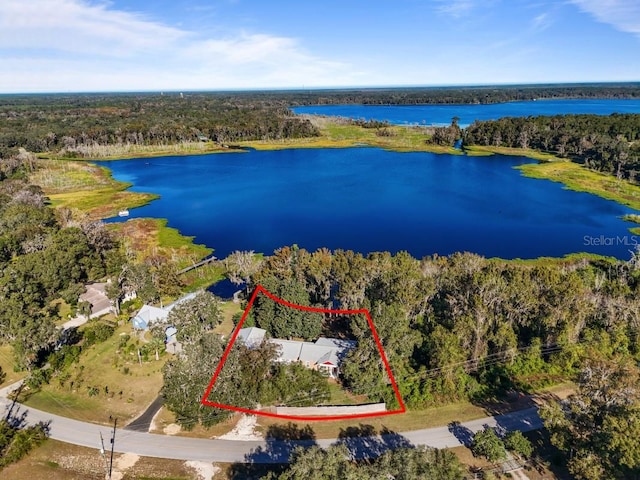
(113, 444)
(106, 465)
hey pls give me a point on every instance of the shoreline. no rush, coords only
(572, 175)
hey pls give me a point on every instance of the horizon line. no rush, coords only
(303, 88)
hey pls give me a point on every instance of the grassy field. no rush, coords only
(86, 187)
(338, 135)
(480, 151)
(90, 189)
(108, 380)
(151, 236)
(121, 152)
(580, 179)
(62, 461)
(411, 420)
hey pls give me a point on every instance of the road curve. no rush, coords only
(267, 451)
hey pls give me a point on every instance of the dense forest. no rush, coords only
(71, 124)
(459, 95)
(461, 327)
(610, 144)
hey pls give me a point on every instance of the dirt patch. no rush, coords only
(204, 470)
(172, 429)
(245, 430)
(122, 464)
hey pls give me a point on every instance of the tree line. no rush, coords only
(464, 327)
(70, 124)
(45, 255)
(453, 95)
(609, 144)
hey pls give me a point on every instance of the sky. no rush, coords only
(184, 45)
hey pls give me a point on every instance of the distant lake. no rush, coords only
(442, 114)
(367, 199)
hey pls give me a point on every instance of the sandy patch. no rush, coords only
(172, 429)
(122, 464)
(244, 430)
(153, 426)
(204, 470)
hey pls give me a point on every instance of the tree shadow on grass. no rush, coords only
(281, 441)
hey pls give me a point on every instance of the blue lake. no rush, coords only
(442, 114)
(366, 199)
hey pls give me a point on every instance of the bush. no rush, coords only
(38, 378)
(97, 333)
(63, 358)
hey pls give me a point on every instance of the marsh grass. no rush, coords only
(580, 179)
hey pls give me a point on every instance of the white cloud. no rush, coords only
(541, 22)
(624, 15)
(76, 26)
(455, 8)
(79, 45)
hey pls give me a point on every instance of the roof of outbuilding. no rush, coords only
(251, 336)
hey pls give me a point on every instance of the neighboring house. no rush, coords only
(95, 295)
(148, 315)
(324, 355)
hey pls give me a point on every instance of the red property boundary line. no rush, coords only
(365, 312)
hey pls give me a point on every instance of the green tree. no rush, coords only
(401, 464)
(195, 317)
(187, 376)
(517, 442)
(486, 443)
(598, 427)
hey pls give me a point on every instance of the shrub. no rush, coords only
(97, 333)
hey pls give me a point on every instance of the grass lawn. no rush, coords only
(106, 381)
(7, 363)
(229, 309)
(411, 420)
(204, 276)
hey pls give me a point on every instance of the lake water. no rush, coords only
(366, 199)
(442, 114)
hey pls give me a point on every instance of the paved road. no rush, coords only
(268, 451)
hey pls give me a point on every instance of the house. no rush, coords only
(324, 355)
(96, 297)
(149, 314)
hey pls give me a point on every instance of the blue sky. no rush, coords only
(134, 45)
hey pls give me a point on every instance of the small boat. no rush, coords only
(123, 213)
